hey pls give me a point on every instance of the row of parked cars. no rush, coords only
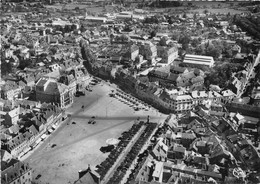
(125, 138)
(131, 101)
(133, 153)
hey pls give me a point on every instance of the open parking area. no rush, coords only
(76, 143)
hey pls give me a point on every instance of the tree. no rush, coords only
(184, 15)
(152, 34)
(195, 42)
(53, 50)
(212, 51)
(6, 68)
(185, 40)
(195, 16)
(163, 41)
(206, 11)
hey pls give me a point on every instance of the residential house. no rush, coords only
(214, 96)
(176, 152)
(199, 162)
(199, 97)
(184, 80)
(168, 54)
(13, 130)
(178, 70)
(227, 96)
(10, 90)
(158, 171)
(149, 51)
(217, 109)
(178, 103)
(237, 119)
(237, 85)
(15, 171)
(20, 144)
(54, 67)
(134, 52)
(11, 117)
(160, 150)
(186, 138)
(256, 95)
(146, 170)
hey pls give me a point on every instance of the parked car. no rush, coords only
(38, 176)
(80, 93)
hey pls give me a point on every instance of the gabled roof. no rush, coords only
(199, 94)
(14, 129)
(179, 148)
(5, 155)
(12, 170)
(213, 94)
(86, 179)
(172, 77)
(178, 69)
(227, 93)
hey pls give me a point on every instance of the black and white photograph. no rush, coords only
(130, 91)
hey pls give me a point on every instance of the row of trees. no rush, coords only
(88, 56)
(221, 75)
(249, 24)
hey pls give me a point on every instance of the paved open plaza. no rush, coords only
(75, 144)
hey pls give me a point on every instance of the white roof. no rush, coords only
(196, 94)
(214, 94)
(126, 13)
(181, 97)
(158, 169)
(239, 116)
(227, 93)
(2, 113)
(164, 147)
(198, 59)
(96, 18)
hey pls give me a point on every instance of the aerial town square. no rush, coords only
(130, 92)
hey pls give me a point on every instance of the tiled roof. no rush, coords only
(41, 82)
(227, 93)
(19, 139)
(172, 77)
(12, 170)
(5, 155)
(177, 69)
(14, 129)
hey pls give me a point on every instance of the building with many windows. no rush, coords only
(15, 172)
(50, 91)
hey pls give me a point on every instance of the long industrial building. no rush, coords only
(199, 60)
